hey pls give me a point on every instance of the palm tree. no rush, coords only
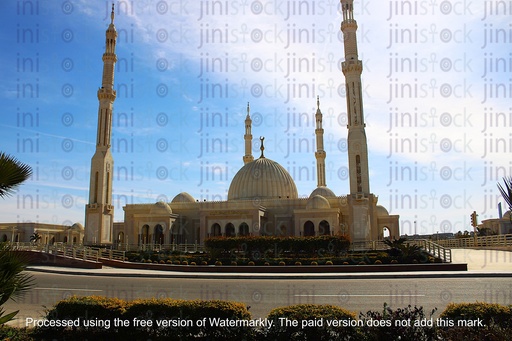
(14, 282)
(12, 174)
(34, 238)
(506, 193)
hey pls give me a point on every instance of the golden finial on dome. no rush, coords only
(262, 148)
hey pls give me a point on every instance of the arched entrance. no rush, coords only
(309, 229)
(230, 230)
(159, 234)
(120, 237)
(243, 229)
(283, 230)
(324, 229)
(215, 231)
(385, 232)
(144, 235)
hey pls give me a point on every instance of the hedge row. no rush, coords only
(257, 246)
(298, 322)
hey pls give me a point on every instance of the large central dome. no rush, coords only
(264, 179)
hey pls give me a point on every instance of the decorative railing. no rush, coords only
(502, 240)
(60, 249)
(432, 248)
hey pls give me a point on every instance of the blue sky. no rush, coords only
(436, 80)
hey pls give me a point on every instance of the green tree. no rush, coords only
(12, 174)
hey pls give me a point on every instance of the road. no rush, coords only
(262, 295)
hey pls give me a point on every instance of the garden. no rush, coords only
(283, 251)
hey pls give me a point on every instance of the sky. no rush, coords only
(436, 89)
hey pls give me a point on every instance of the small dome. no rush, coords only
(160, 207)
(183, 197)
(262, 178)
(77, 226)
(317, 202)
(323, 191)
(381, 211)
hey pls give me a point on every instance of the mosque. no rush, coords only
(262, 197)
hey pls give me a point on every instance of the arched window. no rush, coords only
(309, 229)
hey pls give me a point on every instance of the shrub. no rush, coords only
(83, 308)
(378, 261)
(15, 334)
(176, 262)
(309, 312)
(233, 262)
(328, 262)
(281, 263)
(361, 263)
(188, 312)
(184, 262)
(218, 263)
(193, 263)
(314, 263)
(298, 263)
(487, 312)
(251, 263)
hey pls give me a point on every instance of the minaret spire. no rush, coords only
(248, 137)
(352, 68)
(320, 152)
(99, 213)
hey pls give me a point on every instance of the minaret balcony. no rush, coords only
(352, 66)
(109, 94)
(349, 23)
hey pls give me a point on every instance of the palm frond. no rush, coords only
(506, 191)
(12, 174)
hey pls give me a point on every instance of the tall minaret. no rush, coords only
(320, 152)
(248, 138)
(352, 68)
(99, 213)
